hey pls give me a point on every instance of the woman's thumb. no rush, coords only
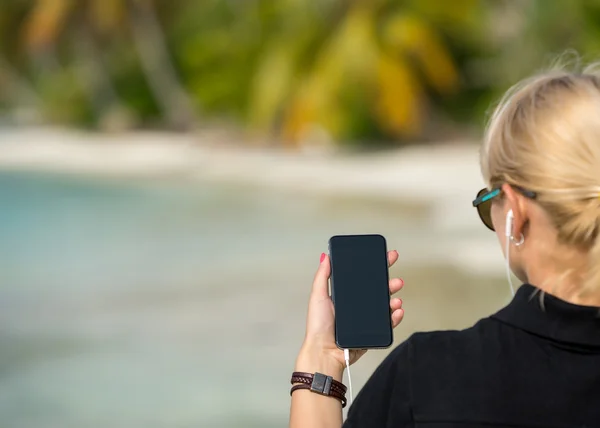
(320, 287)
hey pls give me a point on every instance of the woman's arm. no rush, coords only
(308, 408)
(319, 353)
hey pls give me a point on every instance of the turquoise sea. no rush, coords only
(169, 303)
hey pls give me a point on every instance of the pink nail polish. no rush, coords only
(323, 255)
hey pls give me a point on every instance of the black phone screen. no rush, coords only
(360, 291)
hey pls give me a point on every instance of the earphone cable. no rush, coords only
(347, 359)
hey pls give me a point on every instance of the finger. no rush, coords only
(392, 257)
(320, 288)
(395, 304)
(395, 285)
(397, 316)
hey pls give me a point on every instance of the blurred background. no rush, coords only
(170, 172)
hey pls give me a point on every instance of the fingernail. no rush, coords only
(323, 255)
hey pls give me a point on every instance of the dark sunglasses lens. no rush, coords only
(485, 210)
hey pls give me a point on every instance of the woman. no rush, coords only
(535, 363)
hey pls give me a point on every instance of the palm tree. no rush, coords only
(17, 91)
(374, 60)
(48, 20)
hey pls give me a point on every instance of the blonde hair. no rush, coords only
(544, 136)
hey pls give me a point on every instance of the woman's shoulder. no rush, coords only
(429, 367)
(447, 349)
(484, 330)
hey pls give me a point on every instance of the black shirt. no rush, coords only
(529, 365)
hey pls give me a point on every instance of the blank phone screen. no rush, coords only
(360, 291)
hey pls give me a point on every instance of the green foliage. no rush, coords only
(294, 70)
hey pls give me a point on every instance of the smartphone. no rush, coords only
(360, 291)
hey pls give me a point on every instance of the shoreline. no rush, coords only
(442, 179)
(418, 174)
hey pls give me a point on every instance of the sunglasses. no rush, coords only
(483, 203)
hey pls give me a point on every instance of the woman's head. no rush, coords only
(542, 148)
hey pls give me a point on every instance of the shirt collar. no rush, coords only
(556, 319)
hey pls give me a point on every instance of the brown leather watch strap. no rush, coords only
(332, 393)
(303, 377)
(319, 383)
(339, 388)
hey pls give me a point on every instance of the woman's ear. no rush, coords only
(514, 202)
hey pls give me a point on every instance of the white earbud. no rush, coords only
(509, 223)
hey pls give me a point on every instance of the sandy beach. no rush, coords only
(417, 174)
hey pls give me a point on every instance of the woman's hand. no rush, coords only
(319, 351)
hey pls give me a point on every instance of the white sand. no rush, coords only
(419, 174)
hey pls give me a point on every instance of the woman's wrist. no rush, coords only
(312, 360)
